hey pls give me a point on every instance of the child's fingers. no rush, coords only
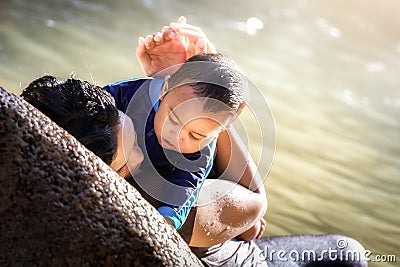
(188, 29)
(192, 35)
(189, 32)
(140, 49)
(164, 31)
(169, 33)
(158, 38)
(201, 46)
(181, 20)
(262, 229)
(141, 53)
(204, 45)
(197, 41)
(263, 222)
(149, 42)
(185, 26)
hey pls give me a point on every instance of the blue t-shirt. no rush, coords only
(168, 179)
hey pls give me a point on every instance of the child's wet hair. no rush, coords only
(216, 77)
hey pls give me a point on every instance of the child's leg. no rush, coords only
(225, 210)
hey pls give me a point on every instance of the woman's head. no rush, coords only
(85, 110)
(128, 155)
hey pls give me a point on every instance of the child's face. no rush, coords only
(182, 125)
(128, 156)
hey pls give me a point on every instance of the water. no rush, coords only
(329, 69)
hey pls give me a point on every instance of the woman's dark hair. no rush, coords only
(85, 110)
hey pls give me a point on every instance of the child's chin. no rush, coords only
(167, 145)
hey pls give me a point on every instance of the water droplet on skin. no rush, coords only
(208, 234)
(228, 228)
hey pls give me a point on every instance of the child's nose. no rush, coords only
(170, 133)
(172, 130)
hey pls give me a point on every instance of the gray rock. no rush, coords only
(60, 205)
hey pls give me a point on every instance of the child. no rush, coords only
(177, 120)
(171, 46)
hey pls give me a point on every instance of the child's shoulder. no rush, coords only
(129, 82)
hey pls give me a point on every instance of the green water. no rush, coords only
(329, 69)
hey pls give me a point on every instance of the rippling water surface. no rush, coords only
(329, 69)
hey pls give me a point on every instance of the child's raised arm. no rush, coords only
(172, 46)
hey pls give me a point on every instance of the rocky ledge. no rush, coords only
(60, 205)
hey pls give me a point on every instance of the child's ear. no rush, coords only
(164, 89)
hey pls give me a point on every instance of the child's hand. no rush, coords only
(262, 223)
(172, 46)
(254, 232)
(196, 40)
(161, 50)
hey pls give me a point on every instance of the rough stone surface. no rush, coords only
(62, 206)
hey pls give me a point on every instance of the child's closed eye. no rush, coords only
(194, 137)
(174, 122)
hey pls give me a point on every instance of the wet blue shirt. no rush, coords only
(169, 180)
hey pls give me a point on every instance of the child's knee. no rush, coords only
(259, 206)
(244, 211)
